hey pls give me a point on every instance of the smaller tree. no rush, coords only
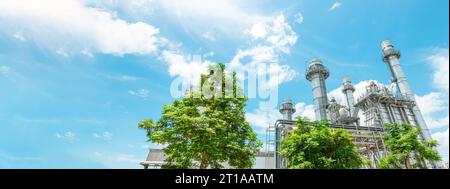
(316, 146)
(405, 148)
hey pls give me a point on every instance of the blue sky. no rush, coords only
(77, 76)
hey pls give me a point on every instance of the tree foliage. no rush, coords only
(207, 127)
(405, 148)
(316, 146)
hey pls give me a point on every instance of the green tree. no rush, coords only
(314, 145)
(405, 148)
(207, 127)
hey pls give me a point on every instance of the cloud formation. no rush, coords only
(143, 93)
(335, 6)
(261, 118)
(440, 64)
(74, 26)
(270, 40)
(103, 136)
(68, 136)
(435, 104)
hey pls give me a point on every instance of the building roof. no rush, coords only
(155, 157)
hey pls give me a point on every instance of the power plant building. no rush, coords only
(378, 105)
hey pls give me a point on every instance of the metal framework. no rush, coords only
(368, 140)
(379, 105)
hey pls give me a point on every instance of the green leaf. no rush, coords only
(203, 132)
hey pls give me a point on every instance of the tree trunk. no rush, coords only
(203, 160)
(407, 163)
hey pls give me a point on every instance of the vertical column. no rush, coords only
(287, 109)
(348, 90)
(391, 57)
(317, 74)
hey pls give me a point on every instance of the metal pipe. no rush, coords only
(287, 109)
(317, 73)
(348, 90)
(391, 57)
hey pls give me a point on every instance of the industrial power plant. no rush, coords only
(378, 105)
(363, 117)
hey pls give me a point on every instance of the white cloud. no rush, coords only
(271, 39)
(261, 118)
(209, 36)
(335, 6)
(258, 55)
(432, 102)
(52, 23)
(434, 105)
(258, 30)
(434, 123)
(266, 55)
(281, 36)
(69, 136)
(298, 18)
(87, 52)
(302, 109)
(19, 36)
(103, 136)
(360, 89)
(442, 138)
(143, 93)
(439, 62)
(128, 78)
(132, 8)
(197, 16)
(62, 52)
(277, 33)
(186, 66)
(283, 73)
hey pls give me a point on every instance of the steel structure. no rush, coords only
(317, 74)
(368, 140)
(378, 104)
(391, 57)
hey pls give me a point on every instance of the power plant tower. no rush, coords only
(287, 109)
(317, 73)
(282, 128)
(391, 57)
(348, 91)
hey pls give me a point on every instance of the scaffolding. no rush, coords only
(368, 141)
(270, 147)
